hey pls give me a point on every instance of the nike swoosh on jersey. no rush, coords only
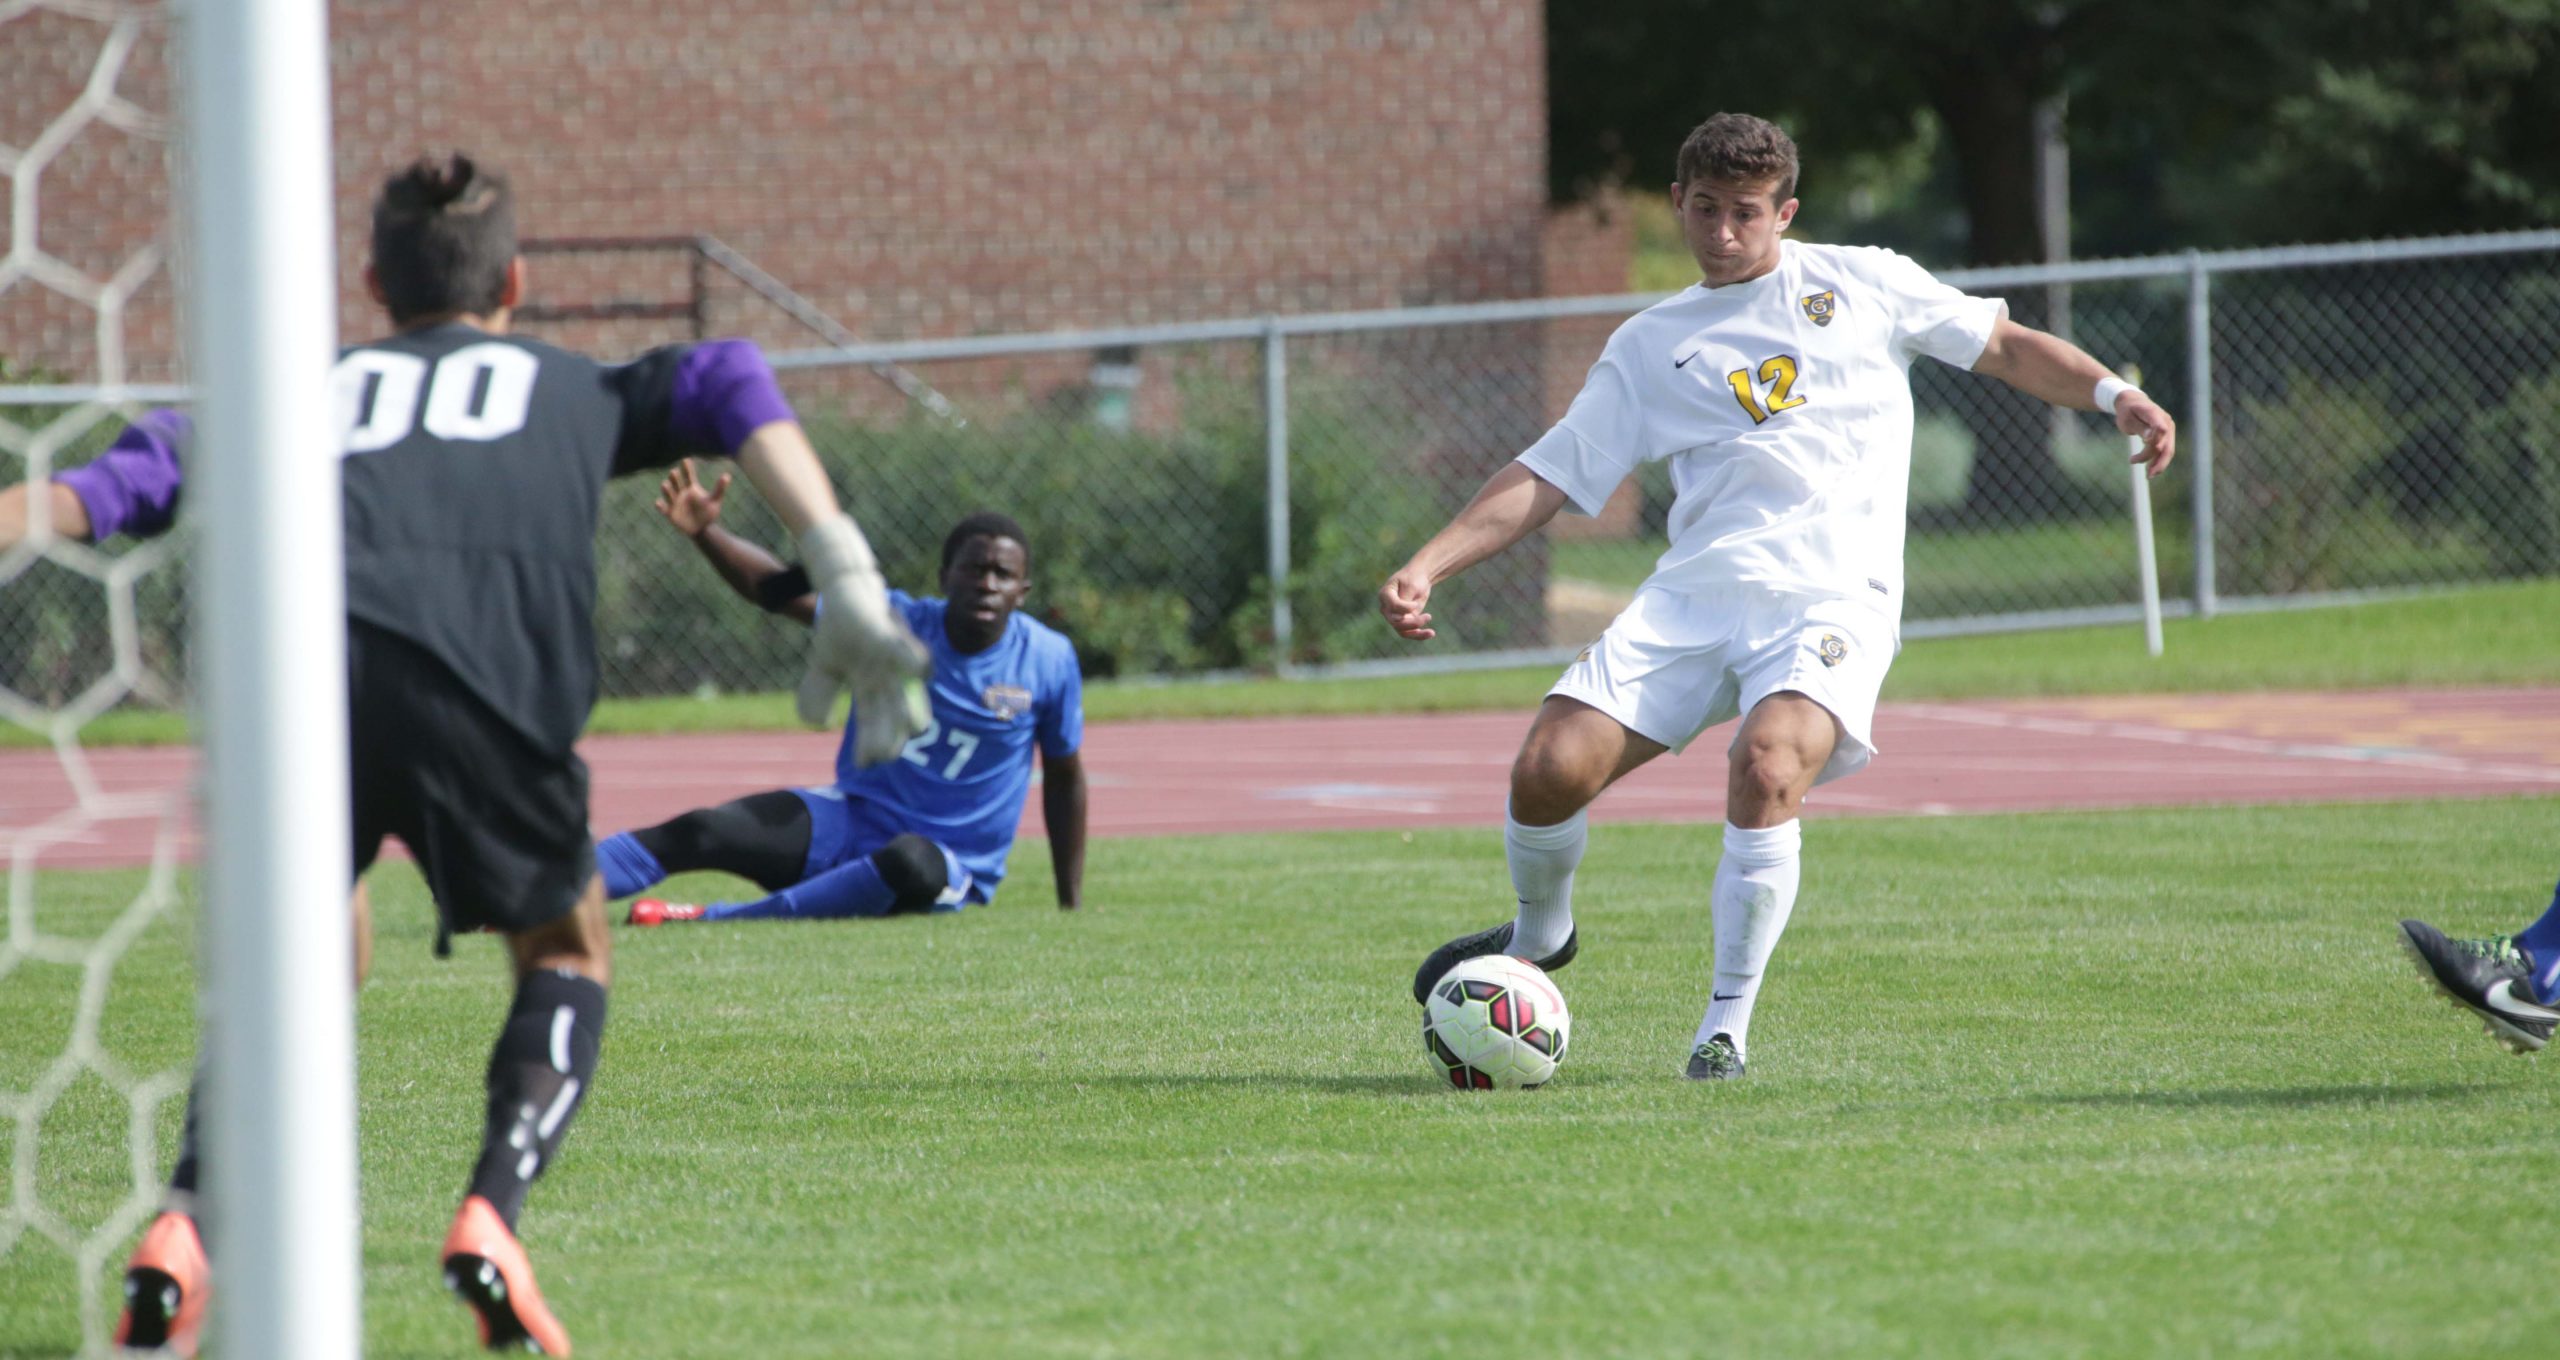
(1683, 360)
(2502, 999)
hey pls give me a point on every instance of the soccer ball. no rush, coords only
(1495, 1022)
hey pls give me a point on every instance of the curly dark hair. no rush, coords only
(984, 524)
(1736, 148)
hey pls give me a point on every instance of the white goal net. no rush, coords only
(98, 958)
(91, 1086)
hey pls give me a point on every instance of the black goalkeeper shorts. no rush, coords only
(498, 826)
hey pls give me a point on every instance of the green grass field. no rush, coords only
(2150, 1083)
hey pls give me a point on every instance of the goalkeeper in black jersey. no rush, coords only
(474, 465)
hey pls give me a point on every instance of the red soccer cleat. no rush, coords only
(486, 1266)
(165, 1288)
(650, 911)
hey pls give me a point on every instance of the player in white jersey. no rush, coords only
(1779, 390)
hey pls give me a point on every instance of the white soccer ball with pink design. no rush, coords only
(1495, 1023)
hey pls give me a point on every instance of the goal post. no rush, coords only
(270, 653)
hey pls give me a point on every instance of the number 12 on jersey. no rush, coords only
(1779, 372)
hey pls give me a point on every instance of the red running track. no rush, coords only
(1302, 774)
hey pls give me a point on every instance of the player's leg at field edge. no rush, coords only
(763, 837)
(183, 1176)
(539, 1073)
(2541, 944)
(173, 1254)
(1781, 749)
(360, 924)
(1572, 753)
(1785, 741)
(580, 942)
(545, 1058)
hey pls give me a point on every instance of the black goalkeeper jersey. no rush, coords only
(474, 474)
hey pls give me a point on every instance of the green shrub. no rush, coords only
(2512, 479)
(1148, 546)
(1942, 452)
(2299, 475)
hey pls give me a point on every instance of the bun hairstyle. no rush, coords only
(444, 232)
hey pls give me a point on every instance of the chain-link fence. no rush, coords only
(2372, 417)
(2378, 417)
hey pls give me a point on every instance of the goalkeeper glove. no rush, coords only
(861, 644)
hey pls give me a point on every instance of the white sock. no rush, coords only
(1542, 863)
(1755, 890)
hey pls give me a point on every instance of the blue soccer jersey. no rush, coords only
(961, 781)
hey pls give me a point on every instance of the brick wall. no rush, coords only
(1587, 249)
(931, 167)
(97, 169)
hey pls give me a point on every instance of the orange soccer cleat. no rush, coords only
(165, 1288)
(486, 1266)
(650, 911)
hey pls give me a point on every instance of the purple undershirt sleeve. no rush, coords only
(133, 487)
(724, 391)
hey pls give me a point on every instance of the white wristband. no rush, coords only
(832, 550)
(2109, 389)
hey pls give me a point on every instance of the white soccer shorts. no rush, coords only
(1676, 663)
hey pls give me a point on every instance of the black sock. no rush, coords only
(538, 1074)
(182, 1180)
(763, 837)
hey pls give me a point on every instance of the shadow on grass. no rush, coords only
(2280, 1097)
(1360, 1084)
(1345, 1084)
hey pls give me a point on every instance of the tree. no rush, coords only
(1628, 78)
(2192, 122)
(2413, 119)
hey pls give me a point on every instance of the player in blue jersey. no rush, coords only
(2511, 982)
(930, 830)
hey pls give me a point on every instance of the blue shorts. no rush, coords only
(842, 830)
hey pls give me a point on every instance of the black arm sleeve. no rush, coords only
(647, 386)
(776, 593)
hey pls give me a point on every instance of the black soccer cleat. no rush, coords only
(151, 1304)
(1476, 946)
(1715, 1060)
(2489, 978)
(165, 1288)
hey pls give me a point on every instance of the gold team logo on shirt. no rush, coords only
(1007, 702)
(1832, 649)
(1818, 307)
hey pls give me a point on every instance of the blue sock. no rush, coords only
(854, 889)
(2541, 940)
(627, 866)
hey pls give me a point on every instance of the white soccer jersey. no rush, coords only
(1784, 406)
